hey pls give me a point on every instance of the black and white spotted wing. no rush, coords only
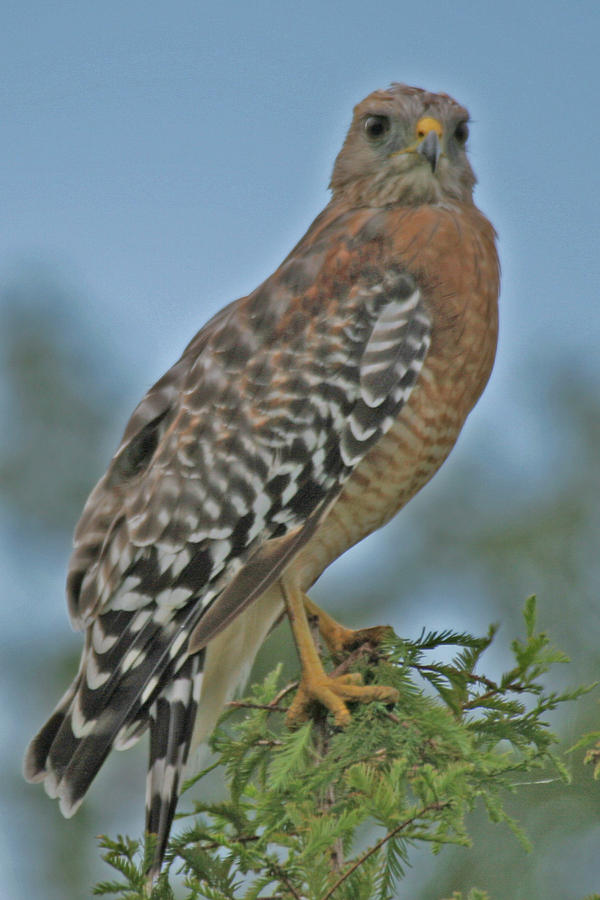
(247, 438)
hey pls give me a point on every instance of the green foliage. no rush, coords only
(324, 814)
(473, 895)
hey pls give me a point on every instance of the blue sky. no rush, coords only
(167, 156)
(164, 157)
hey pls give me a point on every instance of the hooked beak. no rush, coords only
(431, 149)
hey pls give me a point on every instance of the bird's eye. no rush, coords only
(461, 132)
(376, 127)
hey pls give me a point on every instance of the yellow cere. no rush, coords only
(427, 124)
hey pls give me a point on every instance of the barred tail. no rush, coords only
(35, 767)
(67, 753)
(172, 720)
(69, 750)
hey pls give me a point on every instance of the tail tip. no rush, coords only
(36, 770)
(34, 761)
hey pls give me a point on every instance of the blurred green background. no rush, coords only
(158, 160)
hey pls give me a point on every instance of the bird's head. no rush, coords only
(405, 145)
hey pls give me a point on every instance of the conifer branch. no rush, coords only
(299, 800)
(376, 847)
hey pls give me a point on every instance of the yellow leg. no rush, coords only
(315, 684)
(341, 640)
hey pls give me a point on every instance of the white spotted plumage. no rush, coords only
(175, 519)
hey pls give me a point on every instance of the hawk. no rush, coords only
(298, 420)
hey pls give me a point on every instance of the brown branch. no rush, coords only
(515, 687)
(246, 704)
(278, 872)
(387, 837)
(214, 845)
(471, 676)
(493, 688)
(289, 687)
(273, 706)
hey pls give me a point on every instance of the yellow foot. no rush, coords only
(341, 640)
(333, 693)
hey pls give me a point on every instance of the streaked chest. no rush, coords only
(455, 261)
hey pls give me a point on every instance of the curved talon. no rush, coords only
(333, 694)
(315, 685)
